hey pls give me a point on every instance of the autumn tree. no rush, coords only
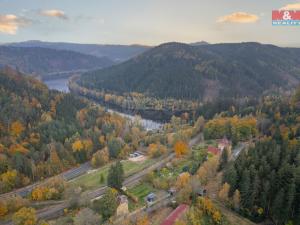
(25, 216)
(181, 148)
(182, 180)
(224, 192)
(236, 199)
(100, 158)
(142, 220)
(156, 150)
(16, 128)
(208, 169)
(3, 209)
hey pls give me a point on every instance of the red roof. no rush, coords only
(176, 214)
(213, 150)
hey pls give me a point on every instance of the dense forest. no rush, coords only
(267, 174)
(43, 132)
(41, 61)
(201, 73)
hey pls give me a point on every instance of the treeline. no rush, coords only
(133, 100)
(267, 175)
(234, 128)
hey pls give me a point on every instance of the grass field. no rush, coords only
(140, 191)
(93, 179)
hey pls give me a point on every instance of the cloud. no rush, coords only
(238, 17)
(55, 13)
(10, 23)
(294, 6)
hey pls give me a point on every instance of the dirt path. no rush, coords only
(233, 218)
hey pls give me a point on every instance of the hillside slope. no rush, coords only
(42, 61)
(38, 129)
(204, 72)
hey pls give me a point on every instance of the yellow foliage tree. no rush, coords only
(25, 216)
(223, 193)
(182, 180)
(100, 158)
(208, 169)
(77, 146)
(16, 128)
(181, 148)
(18, 148)
(217, 217)
(142, 220)
(3, 209)
(236, 199)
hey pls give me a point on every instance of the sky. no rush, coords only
(146, 22)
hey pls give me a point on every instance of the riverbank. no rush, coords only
(61, 84)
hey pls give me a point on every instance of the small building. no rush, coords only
(201, 192)
(175, 215)
(172, 191)
(151, 198)
(224, 143)
(122, 209)
(213, 150)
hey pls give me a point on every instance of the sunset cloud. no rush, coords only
(238, 17)
(55, 13)
(294, 6)
(10, 23)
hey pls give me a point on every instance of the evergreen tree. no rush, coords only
(115, 176)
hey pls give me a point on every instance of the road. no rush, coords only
(237, 150)
(57, 210)
(67, 175)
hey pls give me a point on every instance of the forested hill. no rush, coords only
(204, 72)
(116, 53)
(42, 61)
(43, 132)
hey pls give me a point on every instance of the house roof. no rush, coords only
(224, 141)
(213, 150)
(151, 195)
(176, 214)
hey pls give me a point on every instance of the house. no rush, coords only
(150, 198)
(224, 143)
(175, 215)
(122, 209)
(172, 191)
(213, 150)
(201, 192)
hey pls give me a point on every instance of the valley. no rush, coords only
(165, 132)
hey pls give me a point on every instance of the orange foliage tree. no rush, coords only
(181, 148)
(16, 128)
(3, 209)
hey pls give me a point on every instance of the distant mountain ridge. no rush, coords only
(202, 72)
(42, 61)
(116, 53)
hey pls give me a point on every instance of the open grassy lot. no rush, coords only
(140, 191)
(93, 179)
